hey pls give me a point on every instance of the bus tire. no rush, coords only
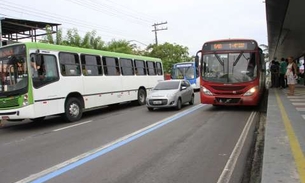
(179, 104)
(141, 96)
(73, 110)
(192, 100)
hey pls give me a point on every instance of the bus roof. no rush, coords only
(228, 40)
(50, 47)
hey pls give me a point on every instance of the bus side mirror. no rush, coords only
(196, 61)
(38, 60)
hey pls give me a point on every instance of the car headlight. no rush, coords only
(251, 91)
(206, 91)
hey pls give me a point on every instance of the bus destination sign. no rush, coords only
(214, 46)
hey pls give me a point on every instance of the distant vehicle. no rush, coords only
(170, 93)
(39, 80)
(187, 71)
(233, 72)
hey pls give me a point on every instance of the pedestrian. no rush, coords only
(291, 75)
(283, 68)
(274, 68)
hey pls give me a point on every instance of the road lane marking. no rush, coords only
(59, 129)
(293, 141)
(226, 174)
(70, 164)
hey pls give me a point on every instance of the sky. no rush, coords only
(190, 23)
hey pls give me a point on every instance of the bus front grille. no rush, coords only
(11, 102)
(228, 88)
(227, 100)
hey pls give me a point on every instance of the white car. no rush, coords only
(170, 93)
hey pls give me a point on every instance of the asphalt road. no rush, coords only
(128, 143)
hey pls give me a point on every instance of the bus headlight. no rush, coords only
(206, 91)
(251, 91)
(25, 100)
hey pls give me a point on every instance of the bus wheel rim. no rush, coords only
(142, 96)
(74, 110)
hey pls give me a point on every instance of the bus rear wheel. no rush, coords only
(73, 110)
(141, 96)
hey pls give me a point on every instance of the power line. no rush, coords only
(110, 12)
(53, 16)
(155, 30)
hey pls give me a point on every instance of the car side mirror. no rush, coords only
(183, 88)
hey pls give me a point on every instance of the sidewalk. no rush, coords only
(284, 148)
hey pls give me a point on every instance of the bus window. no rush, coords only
(91, 65)
(69, 64)
(159, 68)
(111, 66)
(151, 68)
(46, 73)
(140, 67)
(126, 66)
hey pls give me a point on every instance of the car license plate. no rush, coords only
(157, 102)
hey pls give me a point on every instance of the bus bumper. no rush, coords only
(230, 100)
(20, 113)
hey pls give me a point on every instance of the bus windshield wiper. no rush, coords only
(219, 59)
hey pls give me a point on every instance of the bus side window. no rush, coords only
(69, 64)
(111, 66)
(140, 67)
(159, 68)
(151, 67)
(126, 66)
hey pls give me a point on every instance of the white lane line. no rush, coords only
(297, 100)
(71, 126)
(226, 174)
(297, 103)
(300, 108)
(63, 167)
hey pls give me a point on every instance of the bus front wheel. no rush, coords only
(73, 110)
(141, 96)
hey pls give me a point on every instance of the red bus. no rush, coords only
(232, 72)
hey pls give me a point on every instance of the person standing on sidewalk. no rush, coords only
(283, 69)
(291, 75)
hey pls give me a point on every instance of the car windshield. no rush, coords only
(171, 85)
(13, 70)
(229, 67)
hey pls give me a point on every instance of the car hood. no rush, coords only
(162, 93)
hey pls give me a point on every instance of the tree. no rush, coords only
(169, 53)
(49, 37)
(121, 46)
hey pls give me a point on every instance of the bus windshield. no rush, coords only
(183, 72)
(229, 67)
(13, 70)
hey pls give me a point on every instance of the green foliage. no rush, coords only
(121, 46)
(169, 53)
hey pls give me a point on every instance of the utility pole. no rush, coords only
(155, 30)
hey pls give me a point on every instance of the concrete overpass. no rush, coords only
(286, 28)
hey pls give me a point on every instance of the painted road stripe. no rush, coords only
(59, 129)
(297, 103)
(293, 140)
(303, 116)
(300, 108)
(297, 100)
(61, 168)
(226, 174)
